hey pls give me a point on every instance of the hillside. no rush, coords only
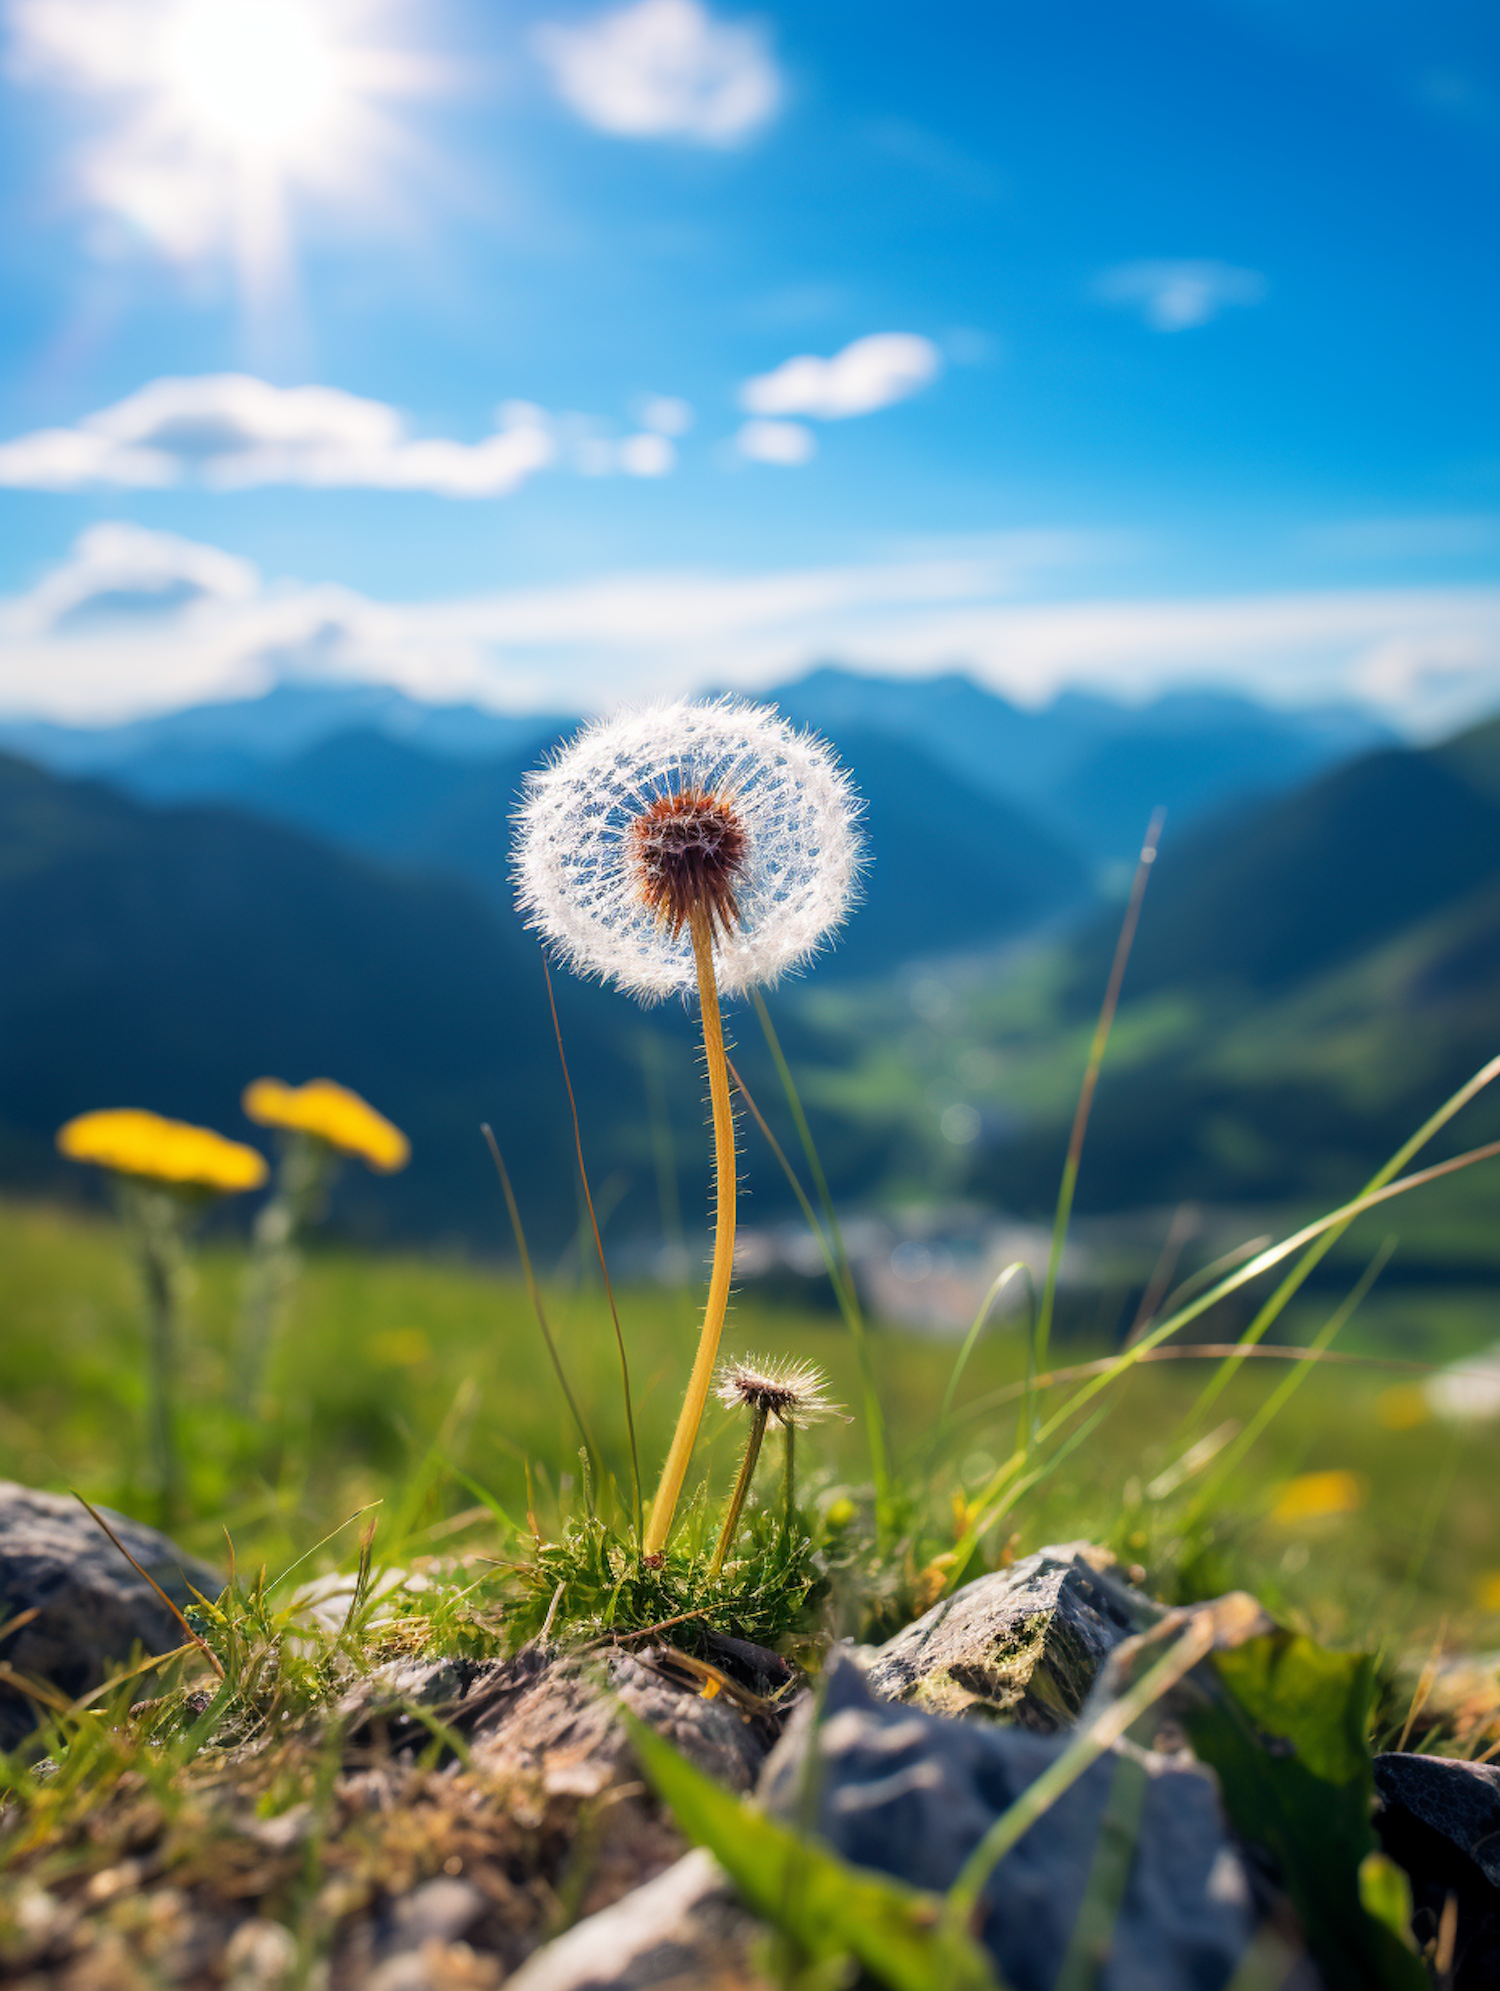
(164, 957)
(1310, 980)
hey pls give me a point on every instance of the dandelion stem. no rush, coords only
(789, 1475)
(741, 1487)
(691, 1415)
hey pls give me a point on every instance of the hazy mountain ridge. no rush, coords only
(1311, 978)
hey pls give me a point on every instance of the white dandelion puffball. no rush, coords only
(715, 804)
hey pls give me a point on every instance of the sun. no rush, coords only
(258, 77)
(214, 116)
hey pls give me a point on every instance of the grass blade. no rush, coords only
(535, 1292)
(609, 1291)
(1102, 1028)
(1294, 1279)
(875, 1416)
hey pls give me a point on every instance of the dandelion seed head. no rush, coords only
(714, 802)
(794, 1393)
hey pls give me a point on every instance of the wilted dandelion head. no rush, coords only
(715, 805)
(794, 1393)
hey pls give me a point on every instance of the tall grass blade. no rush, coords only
(853, 1312)
(843, 1291)
(1324, 1244)
(534, 1291)
(1291, 1382)
(1097, 1047)
(1140, 1350)
(976, 1328)
(609, 1291)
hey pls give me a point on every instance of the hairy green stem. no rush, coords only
(741, 1487)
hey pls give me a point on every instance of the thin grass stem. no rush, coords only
(746, 1473)
(853, 1314)
(609, 1291)
(725, 1185)
(1231, 1456)
(1324, 1244)
(518, 1232)
(1097, 1047)
(1140, 1350)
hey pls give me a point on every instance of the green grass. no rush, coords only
(407, 1380)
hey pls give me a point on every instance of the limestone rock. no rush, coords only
(911, 1794)
(92, 1606)
(1024, 1644)
(685, 1929)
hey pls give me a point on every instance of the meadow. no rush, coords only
(411, 1380)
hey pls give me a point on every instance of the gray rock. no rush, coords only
(685, 1929)
(552, 1719)
(1023, 1645)
(911, 1795)
(1459, 1800)
(93, 1608)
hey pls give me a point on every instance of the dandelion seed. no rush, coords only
(718, 804)
(794, 1393)
(708, 844)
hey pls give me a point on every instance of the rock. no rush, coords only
(92, 1606)
(685, 1929)
(1022, 1645)
(552, 1719)
(911, 1794)
(1440, 1819)
(418, 1949)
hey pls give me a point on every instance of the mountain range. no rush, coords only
(317, 882)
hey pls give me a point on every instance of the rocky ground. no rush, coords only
(448, 1823)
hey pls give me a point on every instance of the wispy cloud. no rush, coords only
(664, 69)
(871, 373)
(229, 431)
(1177, 296)
(135, 620)
(785, 443)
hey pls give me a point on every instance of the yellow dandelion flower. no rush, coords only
(1319, 1497)
(1487, 1591)
(131, 1141)
(331, 1113)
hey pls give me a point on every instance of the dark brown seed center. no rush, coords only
(689, 850)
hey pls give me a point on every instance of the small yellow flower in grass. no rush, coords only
(1320, 1496)
(331, 1113)
(1403, 1407)
(1487, 1591)
(130, 1141)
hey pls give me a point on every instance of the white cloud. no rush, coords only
(230, 431)
(1176, 296)
(664, 69)
(786, 443)
(647, 455)
(871, 373)
(134, 621)
(668, 414)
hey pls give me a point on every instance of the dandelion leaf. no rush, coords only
(1285, 1731)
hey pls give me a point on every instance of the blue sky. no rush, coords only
(673, 343)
